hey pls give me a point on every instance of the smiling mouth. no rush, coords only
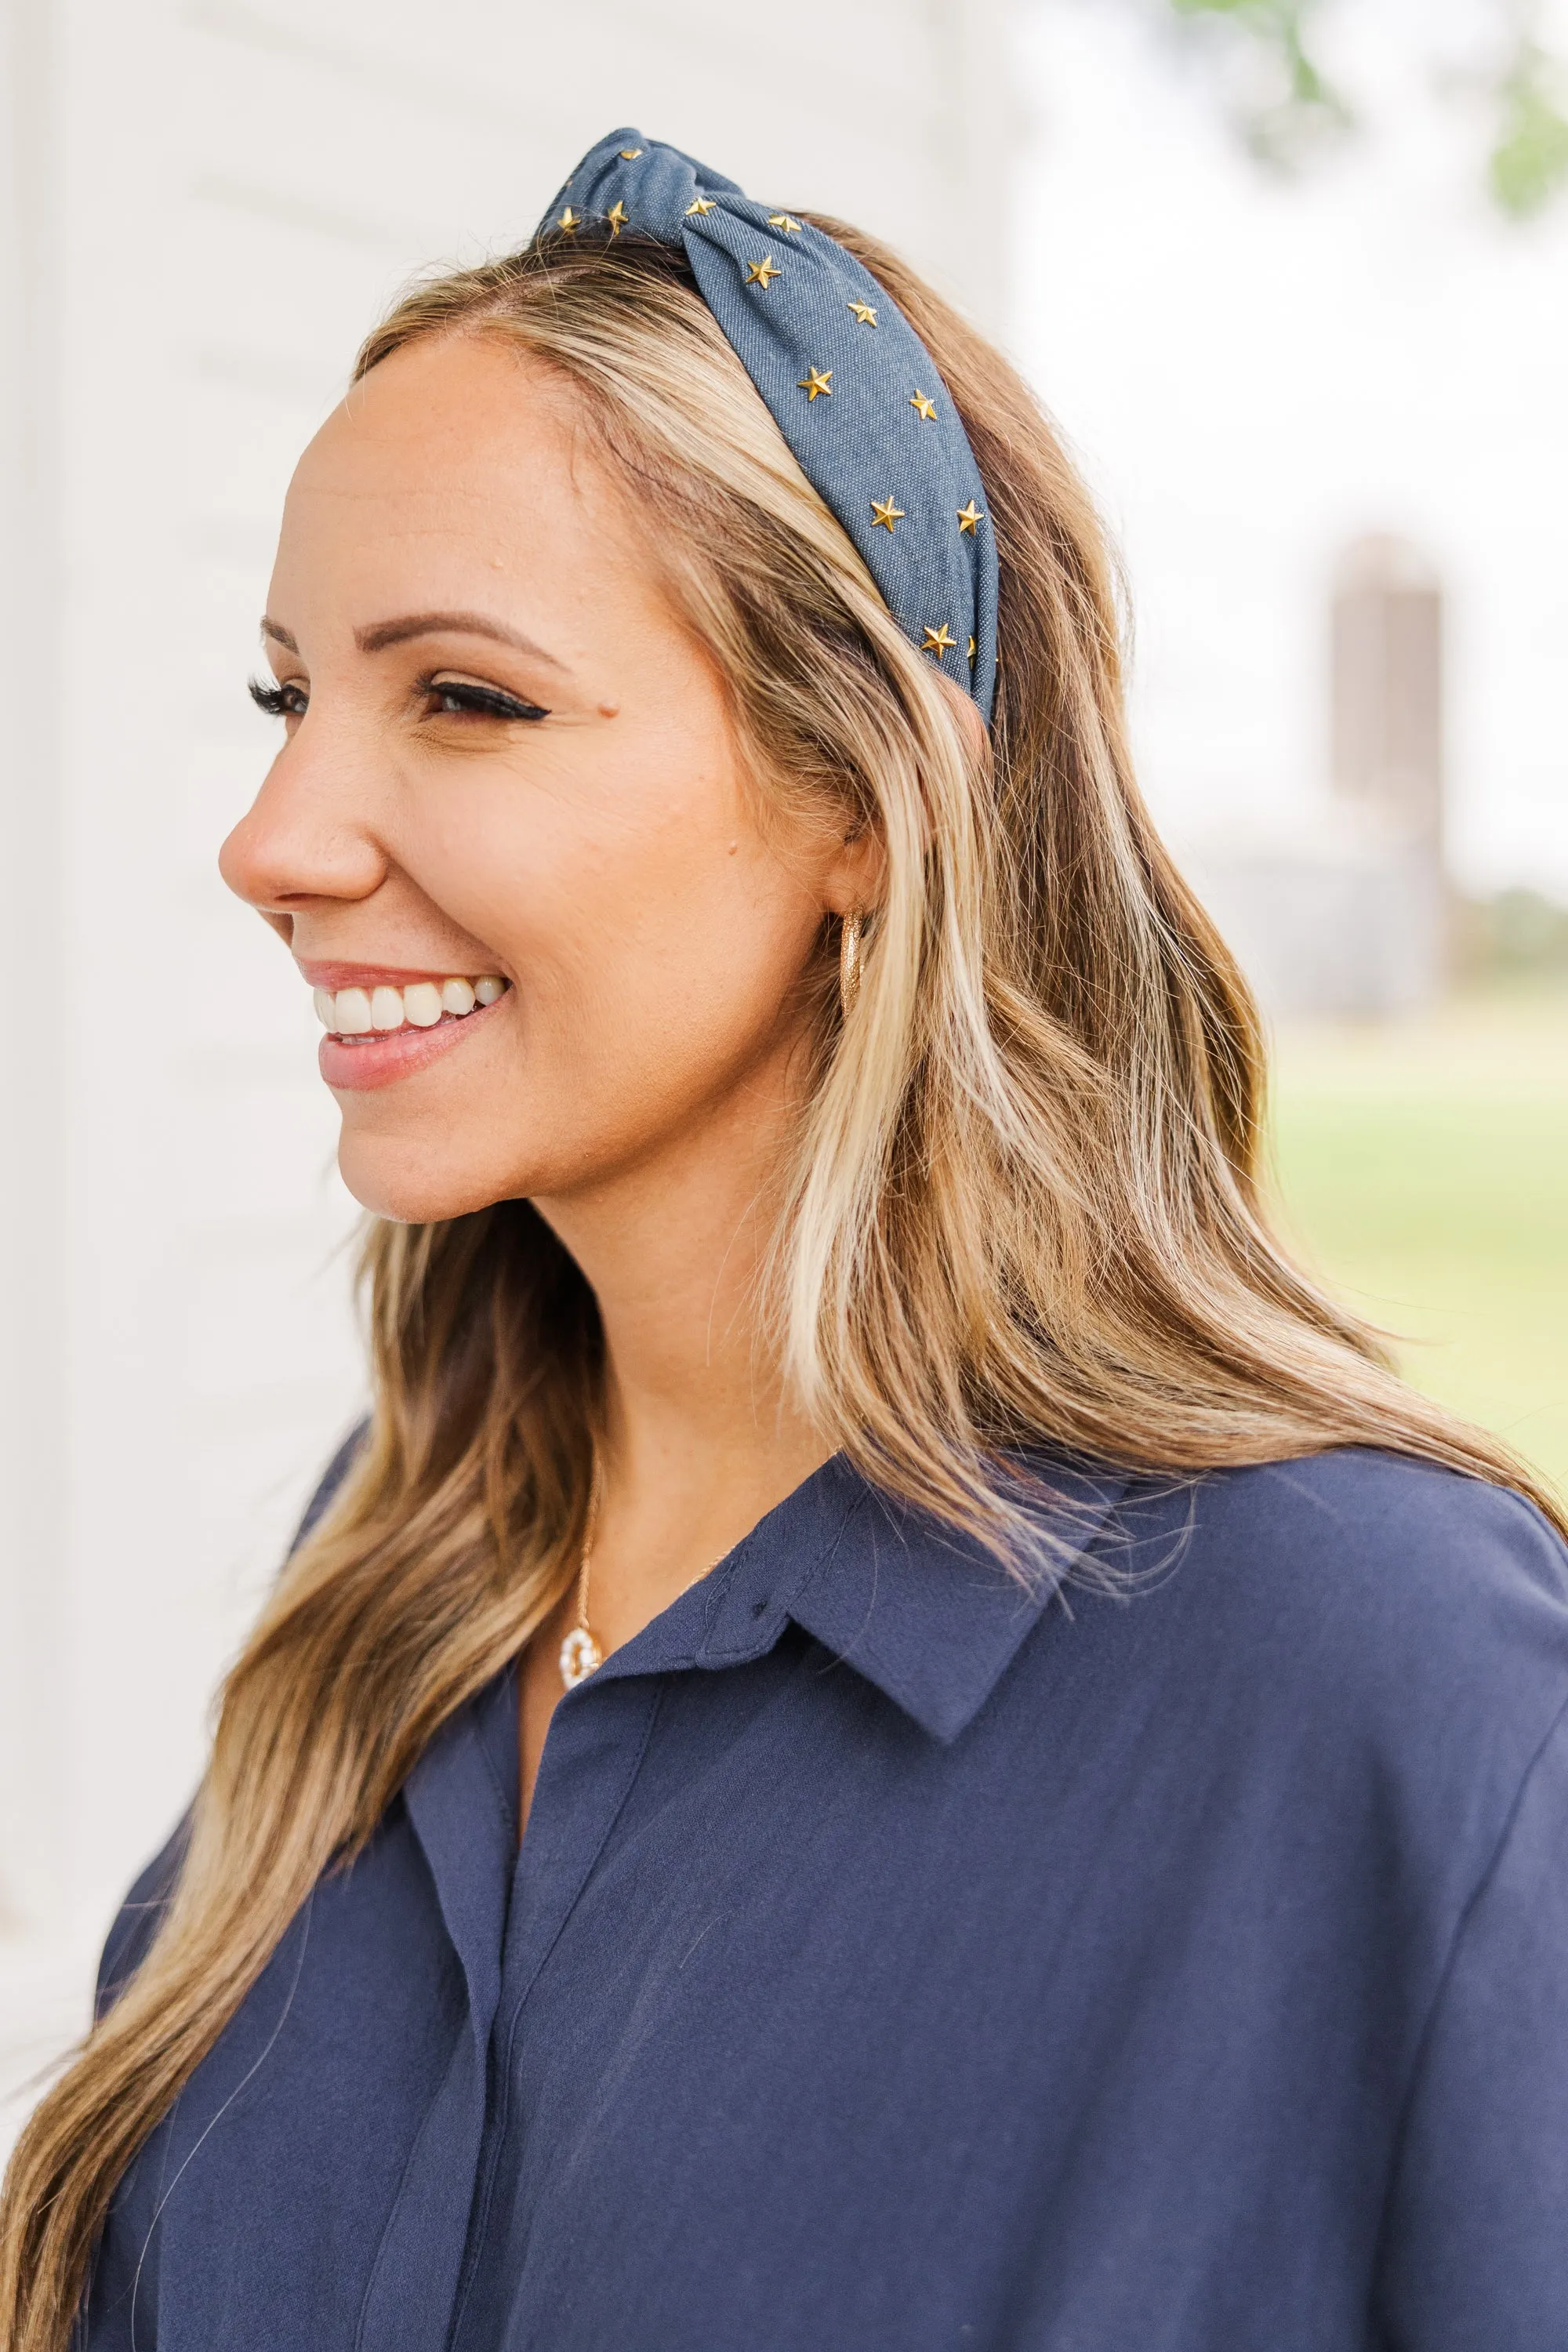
(364, 1017)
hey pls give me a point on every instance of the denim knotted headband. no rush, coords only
(849, 382)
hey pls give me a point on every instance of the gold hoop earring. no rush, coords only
(849, 962)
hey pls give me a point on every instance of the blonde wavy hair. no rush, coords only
(1025, 1206)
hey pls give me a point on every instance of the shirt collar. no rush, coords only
(932, 1617)
(928, 1615)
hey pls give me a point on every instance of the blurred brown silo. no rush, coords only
(1388, 688)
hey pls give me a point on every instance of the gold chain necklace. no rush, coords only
(580, 1653)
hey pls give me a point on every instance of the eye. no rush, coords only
(461, 696)
(278, 701)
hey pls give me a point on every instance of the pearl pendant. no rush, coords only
(580, 1655)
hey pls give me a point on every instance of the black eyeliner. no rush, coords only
(490, 701)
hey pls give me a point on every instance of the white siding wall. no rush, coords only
(202, 208)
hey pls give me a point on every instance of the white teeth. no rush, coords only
(355, 1011)
(421, 1003)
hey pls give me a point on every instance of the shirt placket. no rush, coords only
(597, 1741)
(468, 1832)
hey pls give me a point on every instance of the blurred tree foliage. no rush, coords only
(1530, 161)
(1293, 108)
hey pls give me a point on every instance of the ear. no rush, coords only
(852, 879)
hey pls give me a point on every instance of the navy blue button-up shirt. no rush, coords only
(895, 1963)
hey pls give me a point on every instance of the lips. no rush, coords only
(380, 1029)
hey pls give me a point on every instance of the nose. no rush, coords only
(310, 833)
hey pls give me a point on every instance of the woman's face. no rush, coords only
(506, 762)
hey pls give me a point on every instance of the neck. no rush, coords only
(702, 1437)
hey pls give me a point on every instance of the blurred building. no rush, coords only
(1347, 912)
(205, 203)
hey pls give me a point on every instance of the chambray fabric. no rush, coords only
(865, 441)
(894, 1963)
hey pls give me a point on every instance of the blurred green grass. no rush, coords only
(1423, 1172)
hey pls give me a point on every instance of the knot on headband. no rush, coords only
(847, 380)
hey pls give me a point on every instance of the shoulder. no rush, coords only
(138, 1920)
(1406, 1611)
(1387, 1538)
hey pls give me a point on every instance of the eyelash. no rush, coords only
(278, 701)
(484, 701)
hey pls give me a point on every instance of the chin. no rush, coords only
(410, 1188)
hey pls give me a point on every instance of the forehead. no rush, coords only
(452, 453)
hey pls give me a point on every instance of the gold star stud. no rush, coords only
(968, 517)
(762, 273)
(972, 649)
(568, 221)
(886, 513)
(938, 642)
(617, 217)
(782, 221)
(924, 409)
(864, 312)
(630, 155)
(700, 205)
(814, 381)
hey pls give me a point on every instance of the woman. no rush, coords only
(1042, 1761)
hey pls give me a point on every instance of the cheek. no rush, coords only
(655, 941)
(590, 874)
(664, 965)
(694, 975)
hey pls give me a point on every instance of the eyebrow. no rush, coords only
(379, 635)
